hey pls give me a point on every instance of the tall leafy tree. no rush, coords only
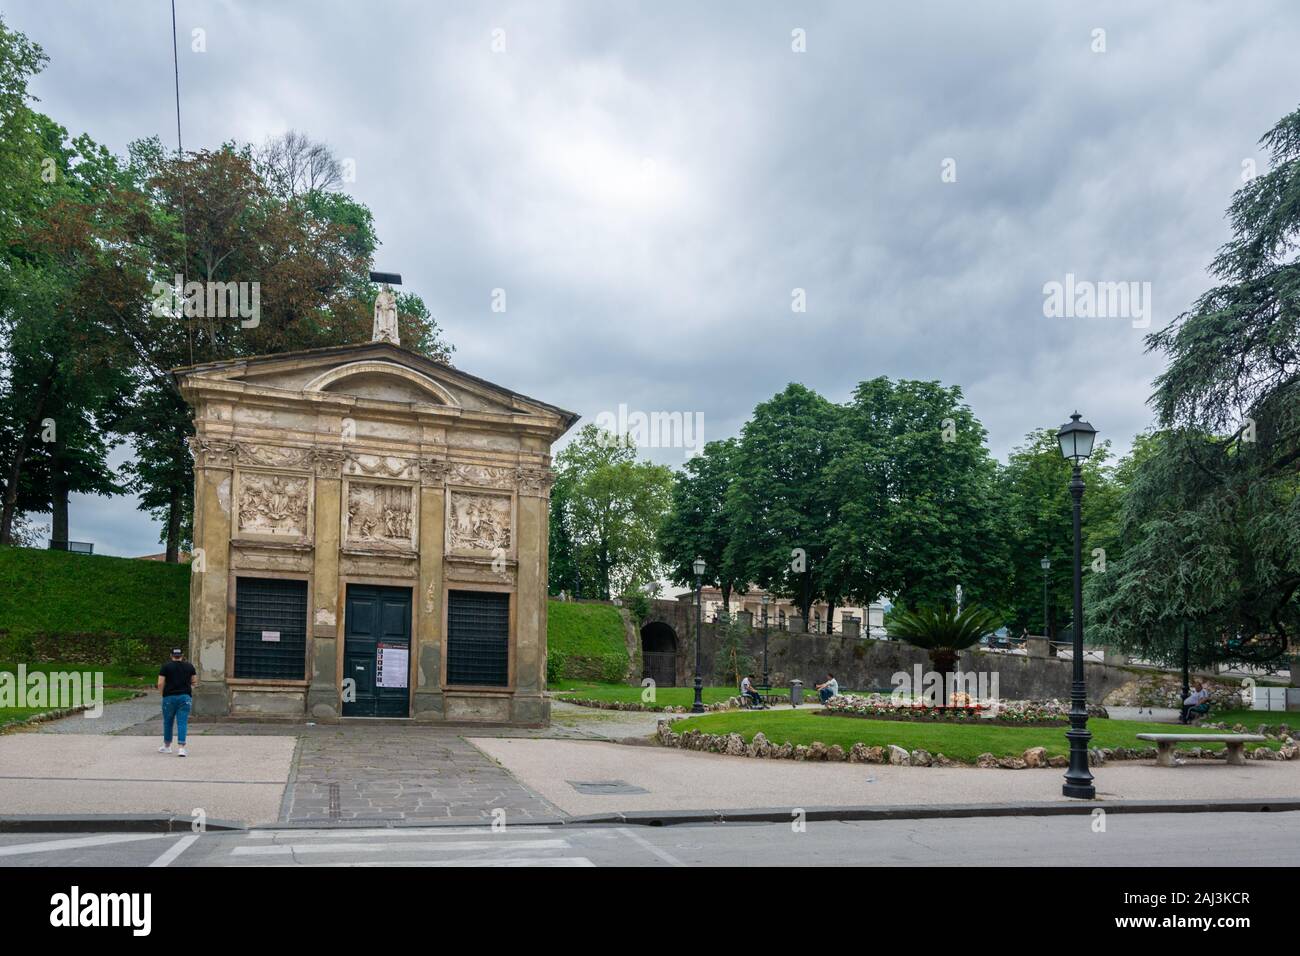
(612, 506)
(1211, 523)
(699, 525)
(217, 216)
(59, 368)
(780, 505)
(921, 508)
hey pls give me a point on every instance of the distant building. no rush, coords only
(781, 609)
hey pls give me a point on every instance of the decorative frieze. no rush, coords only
(380, 466)
(273, 456)
(433, 472)
(480, 476)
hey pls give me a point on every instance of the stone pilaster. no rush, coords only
(210, 567)
(323, 694)
(428, 703)
(529, 704)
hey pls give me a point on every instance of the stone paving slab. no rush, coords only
(687, 780)
(241, 780)
(403, 774)
(340, 772)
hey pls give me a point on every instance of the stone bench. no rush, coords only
(1236, 744)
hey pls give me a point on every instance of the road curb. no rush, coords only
(162, 823)
(935, 811)
(108, 823)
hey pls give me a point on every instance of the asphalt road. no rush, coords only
(1137, 840)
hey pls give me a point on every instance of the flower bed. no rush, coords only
(961, 710)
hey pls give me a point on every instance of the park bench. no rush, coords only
(1236, 744)
(766, 696)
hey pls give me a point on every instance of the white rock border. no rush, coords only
(761, 748)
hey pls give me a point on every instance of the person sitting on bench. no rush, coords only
(829, 688)
(1197, 704)
(747, 691)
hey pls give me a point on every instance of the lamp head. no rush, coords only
(1076, 437)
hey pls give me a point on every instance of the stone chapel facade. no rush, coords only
(370, 538)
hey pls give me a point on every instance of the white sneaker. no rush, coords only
(182, 752)
(165, 749)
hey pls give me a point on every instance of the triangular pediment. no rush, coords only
(374, 372)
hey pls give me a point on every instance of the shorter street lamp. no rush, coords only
(1076, 438)
(698, 568)
(764, 601)
(1046, 565)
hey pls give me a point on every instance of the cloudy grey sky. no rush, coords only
(648, 182)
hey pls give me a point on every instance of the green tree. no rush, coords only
(612, 507)
(917, 503)
(780, 504)
(699, 525)
(58, 372)
(944, 632)
(1038, 522)
(1210, 525)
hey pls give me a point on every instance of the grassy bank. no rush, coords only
(73, 607)
(584, 642)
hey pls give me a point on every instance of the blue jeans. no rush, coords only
(176, 708)
(825, 694)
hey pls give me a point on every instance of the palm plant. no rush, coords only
(944, 632)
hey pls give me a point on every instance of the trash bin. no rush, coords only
(796, 693)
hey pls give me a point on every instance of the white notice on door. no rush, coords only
(270, 635)
(392, 664)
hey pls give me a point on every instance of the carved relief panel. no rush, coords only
(273, 505)
(480, 523)
(380, 515)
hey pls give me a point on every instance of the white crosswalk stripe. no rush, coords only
(413, 846)
(78, 843)
(444, 846)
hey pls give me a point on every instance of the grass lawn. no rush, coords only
(114, 674)
(958, 741)
(11, 715)
(1253, 718)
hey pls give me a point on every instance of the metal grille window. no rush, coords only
(478, 638)
(270, 629)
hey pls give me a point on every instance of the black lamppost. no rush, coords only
(1076, 438)
(764, 601)
(1046, 565)
(698, 568)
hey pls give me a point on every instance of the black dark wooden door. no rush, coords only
(376, 651)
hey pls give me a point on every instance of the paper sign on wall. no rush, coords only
(392, 665)
(271, 635)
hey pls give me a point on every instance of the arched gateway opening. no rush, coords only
(659, 653)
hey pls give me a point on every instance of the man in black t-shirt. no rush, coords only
(176, 680)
